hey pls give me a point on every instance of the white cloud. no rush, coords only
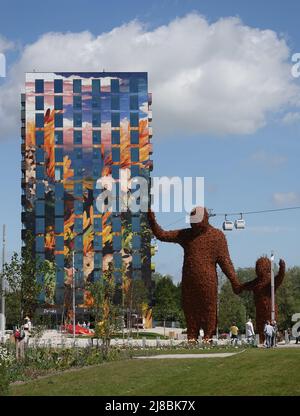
(5, 44)
(291, 118)
(269, 160)
(286, 198)
(219, 78)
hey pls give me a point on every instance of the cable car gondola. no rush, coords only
(227, 225)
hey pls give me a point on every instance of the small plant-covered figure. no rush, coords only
(261, 287)
(204, 247)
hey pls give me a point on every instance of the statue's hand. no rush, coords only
(151, 215)
(237, 288)
(282, 264)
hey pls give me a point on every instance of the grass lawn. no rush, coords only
(253, 372)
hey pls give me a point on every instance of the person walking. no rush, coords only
(268, 331)
(19, 335)
(250, 334)
(234, 333)
(275, 331)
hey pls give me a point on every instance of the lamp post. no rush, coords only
(73, 293)
(3, 288)
(272, 288)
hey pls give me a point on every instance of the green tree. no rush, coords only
(231, 309)
(107, 313)
(166, 300)
(22, 295)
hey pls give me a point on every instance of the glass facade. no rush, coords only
(80, 127)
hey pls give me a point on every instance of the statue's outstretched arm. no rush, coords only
(224, 261)
(250, 285)
(174, 236)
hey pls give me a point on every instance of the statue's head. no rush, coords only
(199, 218)
(263, 268)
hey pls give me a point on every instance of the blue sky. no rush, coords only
(243, 170)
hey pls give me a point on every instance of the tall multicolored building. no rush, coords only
(77, 128)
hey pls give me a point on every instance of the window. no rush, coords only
(77, 104)
(59, 157)
(39, 102)
(117, 260)
(39, 120)
(115, 171)
(96, 136)
(78, 169)
(59, 207)
(115, 154)
(78, 189)
(114, 85)
(116, 224)
(40, 208)
(59, 243)
(115, 102)
(98, 242)
(135, 224)
(78, 225)
(77, 137)
(59, 260)
(136, 261)
(96, 86)
(96, 102)
(40, 225)
(77, 86)
(39, 138)
(58, 86)
(39, 244)
(96, 153)
(133, 85)
(134, 137)
(59, 172)
(134, 154)
(40, 173)
(115, 136)
(58, 102)
(97, 169)
(78, 260)
(58, 120)
(98, 260)
(39, 86)
(78, 207)
(134, 119)
(77, 119)
(97, 275)
(134, 102)
(96, 120)
(59, 190)
(117, 243)
(118, 277)
(78, 242)
(135, 170)
(59, 294)
(136, 242)
(78, 153)
(40, 190)
(58, 137)
(39, 155)
(97, 224)
(115, 119)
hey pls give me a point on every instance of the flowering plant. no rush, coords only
(6, 358)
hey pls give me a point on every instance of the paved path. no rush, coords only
(178, 356)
